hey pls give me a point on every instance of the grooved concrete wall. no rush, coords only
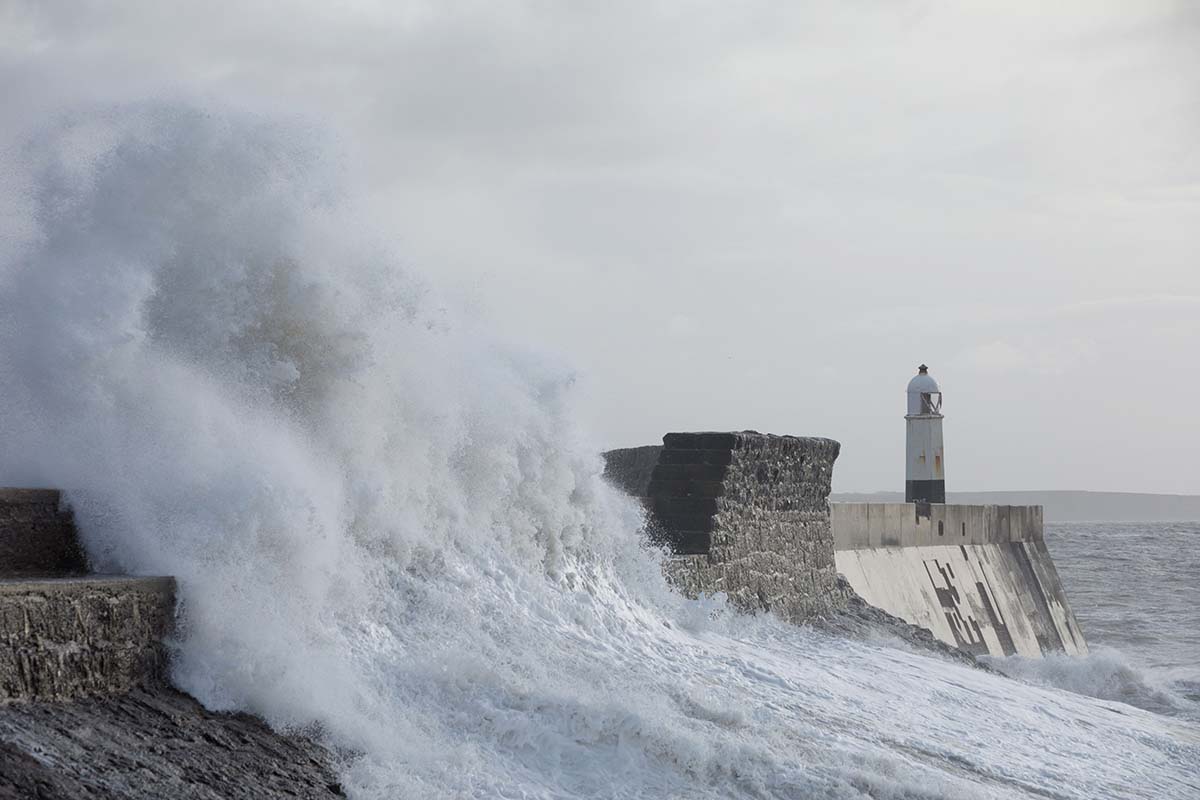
(71, 637)
(978, 577)
(746, 514)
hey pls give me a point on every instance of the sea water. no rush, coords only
(390, 532)
(1135, 589)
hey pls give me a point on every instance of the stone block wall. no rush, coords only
(746, 514)
(65, 634)
(71, 637)
(90, 639)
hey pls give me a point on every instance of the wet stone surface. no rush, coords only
(69, 637)
(153, 743)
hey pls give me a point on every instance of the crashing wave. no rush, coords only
(388, 527)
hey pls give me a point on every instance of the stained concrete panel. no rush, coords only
(876, 523)
(905, 593)
(855, 525)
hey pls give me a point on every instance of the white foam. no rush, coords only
(387, 526)
(1106, 674)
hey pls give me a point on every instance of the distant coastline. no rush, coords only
(1066, 506)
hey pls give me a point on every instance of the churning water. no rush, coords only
(1135, 588)
(389, 531)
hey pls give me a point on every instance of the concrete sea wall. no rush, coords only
(977, 577)
(745, 513)
(1065, 506)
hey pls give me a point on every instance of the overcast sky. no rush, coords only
(762, 215)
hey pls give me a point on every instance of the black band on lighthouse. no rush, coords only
(925, 491)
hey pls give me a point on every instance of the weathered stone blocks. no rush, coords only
(73, 637)
(745, 513)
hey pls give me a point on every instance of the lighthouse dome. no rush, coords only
(924, 396)
(923, 383)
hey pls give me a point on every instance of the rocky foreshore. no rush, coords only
(149, 744)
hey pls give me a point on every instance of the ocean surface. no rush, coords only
(390, 531)
(1135, 589)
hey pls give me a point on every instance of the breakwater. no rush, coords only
(978, 577)
(748, 514)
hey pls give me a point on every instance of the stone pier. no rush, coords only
(747, 514)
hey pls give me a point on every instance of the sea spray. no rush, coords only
(1108, 675)
(388, 528)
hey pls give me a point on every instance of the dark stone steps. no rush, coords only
(685, 488)
(721, 458)
(688, 472)
(37, 535)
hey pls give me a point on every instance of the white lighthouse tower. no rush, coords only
(925, 473)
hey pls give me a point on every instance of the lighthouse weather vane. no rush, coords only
(925, 471)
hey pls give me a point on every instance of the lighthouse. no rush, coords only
(925, 472)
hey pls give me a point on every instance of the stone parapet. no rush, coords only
(866, 525)
(37, 536)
